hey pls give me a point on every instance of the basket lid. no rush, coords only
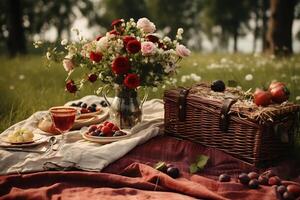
(243, 107)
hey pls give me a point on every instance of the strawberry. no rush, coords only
(105, 123)
(106, 131)
(115, 128)
(262, 98)
(110, 125)
(92, 128)
(96, 56)
(92, 78)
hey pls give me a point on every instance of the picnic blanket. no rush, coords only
(77, 152)
(132, 177)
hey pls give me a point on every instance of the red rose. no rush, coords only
(96, 56)
(70, 86)
(120, 65)
(99, 37)
(127, 38)
(114, 32)
(152, 38)
(132, 81)
(92, 78)
(117, 22)
(133, 46)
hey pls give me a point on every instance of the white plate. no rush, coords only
(105, 140)
(37, 139)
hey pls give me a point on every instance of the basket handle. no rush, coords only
(224, 117)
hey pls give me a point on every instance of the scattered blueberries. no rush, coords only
(224, 178)
(103, 103)
(218, 86)
(84, 105)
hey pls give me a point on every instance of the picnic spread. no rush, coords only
(208, 141)
(124, 168)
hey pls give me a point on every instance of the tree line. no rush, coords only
(219, 20)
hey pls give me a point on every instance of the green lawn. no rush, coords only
(26, 85)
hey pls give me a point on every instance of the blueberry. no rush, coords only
(79, 103)
(103, 103)
(173, 172)
(94, 133)
(119, 133)
(253, 184)
(74, 104)
(244, 178)
(218, 86)
(101, 134)
(84, 105)
(94, 105)
(91, 109)
(224, 178)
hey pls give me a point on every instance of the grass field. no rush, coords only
(27, 85)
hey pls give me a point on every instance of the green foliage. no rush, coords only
(199, 164)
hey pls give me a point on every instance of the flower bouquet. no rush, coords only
(127, 57)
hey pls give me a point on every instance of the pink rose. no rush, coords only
(68, 64)
(146, 25)
(148, 48)
(182, 51)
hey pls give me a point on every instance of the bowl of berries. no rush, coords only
(105, 132)
(87, 110)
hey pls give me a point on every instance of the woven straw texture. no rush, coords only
(250, 137)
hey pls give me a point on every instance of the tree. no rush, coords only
(20, 20)
(14, 23)
(280, 26)
(175, 14)
(231, 15)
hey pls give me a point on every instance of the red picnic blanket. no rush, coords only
(132, 177)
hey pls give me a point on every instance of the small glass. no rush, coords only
(63, 119)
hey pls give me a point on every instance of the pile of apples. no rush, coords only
(276, 93)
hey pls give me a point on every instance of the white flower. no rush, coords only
(180, 31)
(21, 77)
(195, 77)
(146, 25)
(154, 89)
(11, 87)
(64, 42)
(167, 39)
(48, 55)
(148, 48)
(182, 51)
(37, 44)
(249, 77)
(75, 30)
(223, 60)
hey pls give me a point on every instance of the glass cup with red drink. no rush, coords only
(63, 119)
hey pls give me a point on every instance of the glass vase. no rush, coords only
(125, 110)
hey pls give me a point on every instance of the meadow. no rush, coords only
(27, 85)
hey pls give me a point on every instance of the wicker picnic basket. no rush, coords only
(232, 123)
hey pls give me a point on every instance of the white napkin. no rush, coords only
(78, 152)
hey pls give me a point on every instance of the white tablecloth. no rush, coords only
(78, 152)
